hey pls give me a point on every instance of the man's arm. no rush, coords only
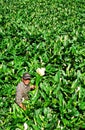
(19, 97)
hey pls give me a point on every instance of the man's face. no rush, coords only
(26, 81)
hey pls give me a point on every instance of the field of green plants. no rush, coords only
(48, 34)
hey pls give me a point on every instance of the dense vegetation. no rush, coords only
(49, 34)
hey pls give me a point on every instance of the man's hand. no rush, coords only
(32, 87)
(22, 106)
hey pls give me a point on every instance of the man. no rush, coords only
(22, 90)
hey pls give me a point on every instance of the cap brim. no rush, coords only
(26, 78)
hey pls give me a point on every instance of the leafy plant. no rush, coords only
(43, 34)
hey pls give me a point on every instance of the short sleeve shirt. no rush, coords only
(21, 92)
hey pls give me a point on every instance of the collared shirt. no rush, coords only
(21, 92)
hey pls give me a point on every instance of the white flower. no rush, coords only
(78, 89)
(25, 126)
(41, 71)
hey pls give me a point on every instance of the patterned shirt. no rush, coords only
(21, 92)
